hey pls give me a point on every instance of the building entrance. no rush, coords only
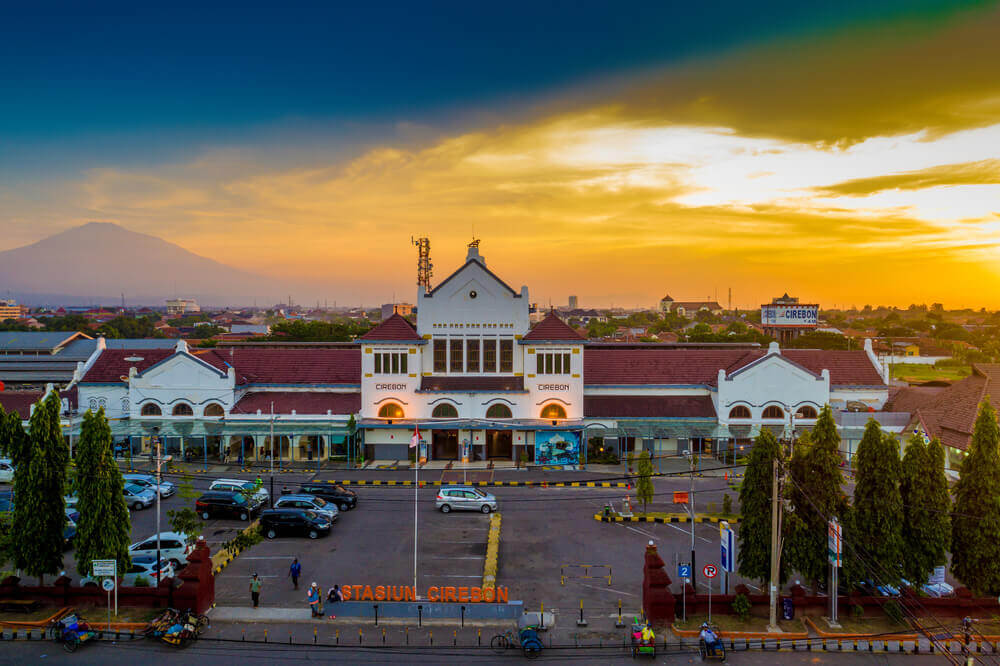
(499, 444)
(444, 444)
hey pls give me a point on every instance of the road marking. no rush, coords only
(457, 557)
(275, 557)
(651, 536)
(608, 589)
(680, 529)
(452, 576)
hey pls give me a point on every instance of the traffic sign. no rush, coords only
(108, 584)
(684, 570)
(728, 549)
(104, 567)
(710, 571)
(681, 497)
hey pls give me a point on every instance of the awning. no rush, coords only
(659, 429)
(221, 428)
(473, 424)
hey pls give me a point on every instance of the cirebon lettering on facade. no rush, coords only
(553, 387)
(465, 595)
(390, 387)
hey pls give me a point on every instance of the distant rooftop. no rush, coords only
(36, 341)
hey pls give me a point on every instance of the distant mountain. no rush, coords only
(97, 262)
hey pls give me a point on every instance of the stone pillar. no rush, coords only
(657, 599)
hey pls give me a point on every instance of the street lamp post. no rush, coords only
(272, 454)
(690, 454)
(156, 440)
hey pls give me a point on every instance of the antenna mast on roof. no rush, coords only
(425, 269)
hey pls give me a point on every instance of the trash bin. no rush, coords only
(787, 609)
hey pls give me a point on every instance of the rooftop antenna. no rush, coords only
(425, 269)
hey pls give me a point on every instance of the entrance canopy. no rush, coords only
(472, 424)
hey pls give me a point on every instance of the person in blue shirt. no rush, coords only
(294, 572)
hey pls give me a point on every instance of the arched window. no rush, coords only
(806, 412)
(390, 410)
(773, 412)
(499, 411)
(151, 409)
(182, 409)
(445, 411)
(214, 409)
(739, 412)
(553, 411)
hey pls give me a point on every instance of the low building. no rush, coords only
(182, 306)
(9, 309)
(689, 308)
(784, 318)
(402, 309)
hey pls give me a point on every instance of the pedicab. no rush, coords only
(72, 631)
(710, 645)
(643, 639)
(176, 628)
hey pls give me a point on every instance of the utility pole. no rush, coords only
(691, 505)
(159, 480)
(775, 546)
(272, 454)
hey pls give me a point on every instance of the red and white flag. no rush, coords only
(416, 437)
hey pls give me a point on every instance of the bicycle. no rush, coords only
(527, 639)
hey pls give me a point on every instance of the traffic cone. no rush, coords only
(726, 476)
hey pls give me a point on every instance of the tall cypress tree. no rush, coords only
(39, 487)
(878, 506)
(104, 528)
(975, 531)
(754, 553)
(926, 509)
(644, 484)
(816, 491)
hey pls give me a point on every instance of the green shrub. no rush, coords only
(727, 504)
(630, 458)
(742, 606)
(857, 611)
(141, 581)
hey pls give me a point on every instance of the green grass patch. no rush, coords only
(734, 623)
(42, 613)
(915, 373)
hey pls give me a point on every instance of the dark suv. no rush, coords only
(224, 504)
(344, 499)
(293, 522)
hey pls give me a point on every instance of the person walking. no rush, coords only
(255, 584)
(295, 571)
(315, 600)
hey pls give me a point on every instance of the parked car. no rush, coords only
(7, 500)
(69, 533)
(142, 566)
(318, 505)
(260, 495)
(174, 547)
(6, 471)
(148, 481)
(73, 514)
(293, 522)
(333, 493)
(938, 590)
(138, 497)
(464, 498)
(224, 504)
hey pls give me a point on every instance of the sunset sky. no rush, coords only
(845, 152)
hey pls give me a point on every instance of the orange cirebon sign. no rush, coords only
(465, 595)
(680, 497)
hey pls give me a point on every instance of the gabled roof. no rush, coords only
(21, 401)
(396, 328)
(951, 414)
(113, 364)
(15, 341)
(552, 328)
(478, 262)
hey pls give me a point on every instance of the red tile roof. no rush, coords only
(652, 406)
(288, 366)
(503, 383)
(552, 328)
(951, 414)
(655, 365)
(112, 365)
(21, 401)
(395, 328)
(911, 398)
(303, 402)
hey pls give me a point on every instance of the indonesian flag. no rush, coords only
(416, 437)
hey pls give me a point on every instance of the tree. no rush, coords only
(926, 509)
(816, 493)
(104, 528)
(39, 486)
(878, 505)
(644, 484)
(754, 553)
(975, 521)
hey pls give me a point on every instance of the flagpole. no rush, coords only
(415, 445)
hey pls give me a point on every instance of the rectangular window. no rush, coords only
(490, 355)
(440, 355)
(378, 364)
(566, 365)
(553, 363)
(402, 363)
(557, 359)
(395, 363)
(506, 355)
(390, 363)
(455, 349)
(472, 355)
(548, 364)
(540, 358)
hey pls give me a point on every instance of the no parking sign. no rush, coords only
(710, 571)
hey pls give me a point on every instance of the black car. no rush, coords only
(224, 504)
(336, 494)
(293, 522)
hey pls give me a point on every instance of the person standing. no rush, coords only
(315, 600)
(295, 571)
(255, 584)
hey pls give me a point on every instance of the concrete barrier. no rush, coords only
(428, 610)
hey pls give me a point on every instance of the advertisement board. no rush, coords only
(557, 447)
(799, 316)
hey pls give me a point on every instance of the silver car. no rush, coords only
(148, 481)
(138, 497)
(464, 498)
(318, 505)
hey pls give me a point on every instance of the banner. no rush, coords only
(557, 447)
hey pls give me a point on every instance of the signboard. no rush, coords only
(108, 584)
(791, 316)
(937, 576)
(684, 570)
(680, 497)
(103, 567)
(557, 447)
(835, 543)
(710, 571)
(728, 553)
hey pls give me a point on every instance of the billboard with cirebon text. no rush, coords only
(790, 315)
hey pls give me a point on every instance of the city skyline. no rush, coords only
(845, 159)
